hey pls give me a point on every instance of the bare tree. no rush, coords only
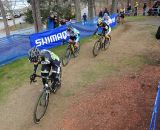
(90, 8)
(36, 15)
(4, 18)
(78, 10)
(9, 5)
(113, 8)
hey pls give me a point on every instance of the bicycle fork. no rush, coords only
(47, 89)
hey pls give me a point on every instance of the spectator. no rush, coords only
(136, 9)
(107, 19)
(129, 9)
(50, 23)
(100, 13)
(121, 15)
(106, 11)
(63, 21)
(144, 9)
(56, 20)
(156, 7)
(84, 18)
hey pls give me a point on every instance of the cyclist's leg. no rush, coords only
(45, 73)
(107, 33)
(77, 41)
(55, 73)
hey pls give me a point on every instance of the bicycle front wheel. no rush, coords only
(96, 48)
(41, 106)
(66, 57)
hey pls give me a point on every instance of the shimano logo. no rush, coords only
(51, 38)
(113, 20)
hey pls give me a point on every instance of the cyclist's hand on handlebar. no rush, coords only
(32, 78)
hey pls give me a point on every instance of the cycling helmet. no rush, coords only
(105, 14)
(100, 21)
(69, 28)
(33, 54)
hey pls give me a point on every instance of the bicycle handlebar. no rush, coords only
(39, 77)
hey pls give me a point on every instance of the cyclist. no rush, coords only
(50, 65)
(74, 36)
(104, 25)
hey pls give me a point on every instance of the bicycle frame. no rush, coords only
(71, 46)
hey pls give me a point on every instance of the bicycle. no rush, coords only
(43, 100)
(71, 50)
(102, 43)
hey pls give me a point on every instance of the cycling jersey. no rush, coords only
(74, 35)
(50, 63)
(106, 29)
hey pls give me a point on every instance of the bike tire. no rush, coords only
(96, 48)
(43, 103)
(66, 58)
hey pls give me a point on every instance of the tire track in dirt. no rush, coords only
(16, 114)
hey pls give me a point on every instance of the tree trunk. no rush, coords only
(150, 3)
(50, 6)
(14, 22)
(4, 18)
(106, 3)
(90, 9)
(128, 2)
(94, 7)
(113, 8)
(78, 10)
(36, 15)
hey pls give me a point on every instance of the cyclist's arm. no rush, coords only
(105, 26)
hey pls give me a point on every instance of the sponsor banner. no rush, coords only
(114, 20)
(54, 37)
(48, 39)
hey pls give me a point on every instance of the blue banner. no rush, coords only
(114, 20)
(154, 119)
(54, 37)
(48, 39)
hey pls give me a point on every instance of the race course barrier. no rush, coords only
(153, 123)
(16, 46)
(54, 37)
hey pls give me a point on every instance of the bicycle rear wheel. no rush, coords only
(66, 57)
(41, 106)
(96, 48)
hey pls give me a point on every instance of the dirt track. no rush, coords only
(131, 43)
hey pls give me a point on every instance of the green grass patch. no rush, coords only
(14, 75)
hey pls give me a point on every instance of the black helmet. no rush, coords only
(33, 54)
